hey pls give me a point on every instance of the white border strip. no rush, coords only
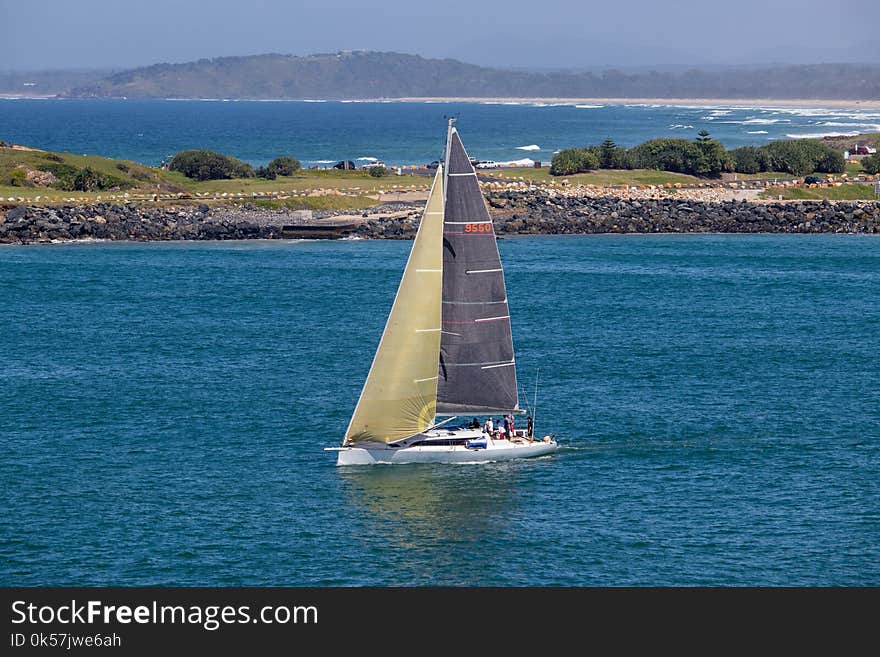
(489, 367)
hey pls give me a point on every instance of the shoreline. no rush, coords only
(746, 103)
(514, 212)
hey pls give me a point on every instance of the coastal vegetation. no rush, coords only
(871, 164)
(23, 168)
(360, 74)
(208, 165)
(704, 157)
(28, 173)
(573, 160)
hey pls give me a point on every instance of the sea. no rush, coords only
(321, 133)
(164, 409)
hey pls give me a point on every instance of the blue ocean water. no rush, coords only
(164, 409)
(321, 133)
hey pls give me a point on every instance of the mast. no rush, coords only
(399, 397)
(477, 369)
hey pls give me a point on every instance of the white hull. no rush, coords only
(495, 450)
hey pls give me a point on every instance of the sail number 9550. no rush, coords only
(478, 228)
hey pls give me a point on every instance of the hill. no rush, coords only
(360, 75)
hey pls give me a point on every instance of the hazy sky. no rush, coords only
(547, 33)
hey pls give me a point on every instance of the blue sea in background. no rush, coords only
(164, 408)
(321, 133)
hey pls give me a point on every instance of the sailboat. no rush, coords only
(447, 347)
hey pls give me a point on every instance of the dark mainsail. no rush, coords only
(477, 369)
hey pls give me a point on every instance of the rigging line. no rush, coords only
(522, 390)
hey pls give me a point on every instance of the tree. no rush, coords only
(611, 156)
(871, 164)
(715, 160)
(573, 160)
(284, 166)
(263, 172)
(208, 165)
(378, 171)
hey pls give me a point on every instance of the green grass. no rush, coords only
(761, 175)
(139, 182)
(854, 169)
(848, 192)
(317, 203)
(598, 177)
(349, 181)
(131, 174)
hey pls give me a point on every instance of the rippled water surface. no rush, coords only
(164, 408)
(321, 133)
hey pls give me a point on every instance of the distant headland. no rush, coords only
(362, 75)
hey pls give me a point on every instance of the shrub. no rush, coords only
(750, 159)
(573, 160)
(871, 164)
(65, 174)
(803, 156)
(378, 172)
(17, 178)
(263, 172)
(122, 167)
(284, 166)
(678, 155)
(54, 157)
(88, 180)
(831, 162)
(208, 165)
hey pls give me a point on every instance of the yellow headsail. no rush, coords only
(399, 398)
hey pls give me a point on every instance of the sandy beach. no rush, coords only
(873, 104)
(709, 102)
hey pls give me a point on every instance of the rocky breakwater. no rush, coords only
(552, 213)
(28, 224)
(534, 211)
(546, 212)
